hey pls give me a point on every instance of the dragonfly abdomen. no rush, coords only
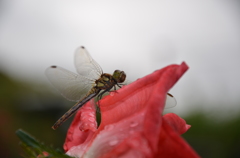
(92, 93)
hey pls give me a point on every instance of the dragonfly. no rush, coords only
(90, 82)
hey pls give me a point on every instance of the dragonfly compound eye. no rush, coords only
(120, 76)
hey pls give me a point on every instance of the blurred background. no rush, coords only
(137, 36)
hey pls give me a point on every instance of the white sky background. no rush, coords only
(135, 36)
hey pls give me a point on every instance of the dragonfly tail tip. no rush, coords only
(54, 128)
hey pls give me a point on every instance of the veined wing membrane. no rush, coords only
(72, 86)
(86, 65)
(170, 101)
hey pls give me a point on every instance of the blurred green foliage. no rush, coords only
(214, 138)
(33, 108)
(33, 148)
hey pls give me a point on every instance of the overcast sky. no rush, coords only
(137, 36)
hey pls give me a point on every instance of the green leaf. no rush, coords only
(34, 148)
(27, 139)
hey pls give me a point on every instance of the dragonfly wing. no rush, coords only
(170, 101)
(86, 65)
(126, 82)
(73, 110)
(72, 86)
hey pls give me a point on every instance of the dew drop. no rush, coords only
(133, 124)
(109, 127)
(81, 129)
(91, 119)
(112, 93)
(113, 142)
(91, 115)
(91, 125)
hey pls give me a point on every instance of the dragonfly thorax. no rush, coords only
(106, 81)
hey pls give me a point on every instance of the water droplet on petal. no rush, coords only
(109, 127)
(91, 119)
(91, 125)
(133, 124)
(112, 93)
(113, 142)
(81, 129)
(91, 115)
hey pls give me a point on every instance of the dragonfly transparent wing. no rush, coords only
(170, 101)
(72, 86)
(126, 82)
(86, 65)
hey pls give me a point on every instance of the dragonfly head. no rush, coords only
(119, 76)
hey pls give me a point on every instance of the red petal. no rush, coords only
(170, 145)
(146, 95)
(132, 119)
(176, 122)
(83, 126)
(145, 91)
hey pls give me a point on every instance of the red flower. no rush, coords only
(132, 124)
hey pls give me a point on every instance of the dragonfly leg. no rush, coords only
(119, 85)
(101, 94)
(115, 90)
(99, 97)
